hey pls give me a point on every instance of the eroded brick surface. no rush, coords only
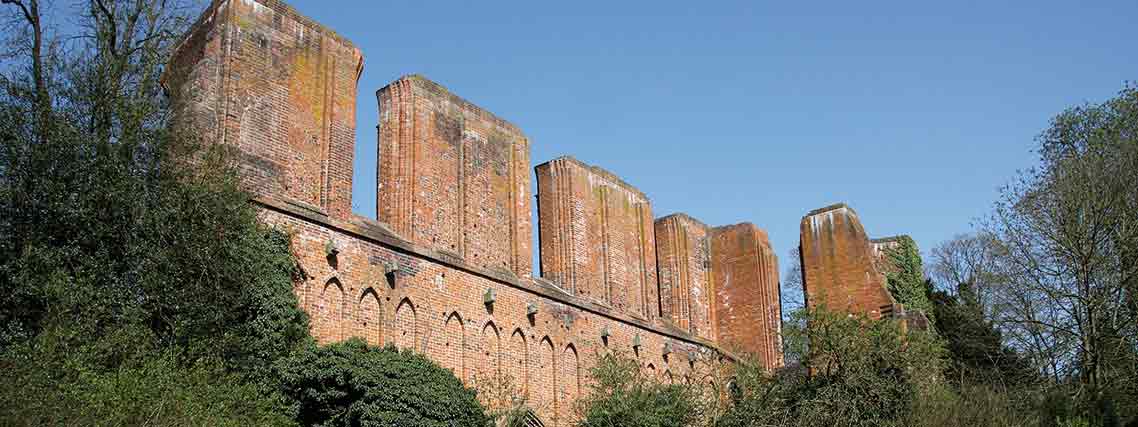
(597, 238)
(683, 253)
(453, 177)
(748, 313)
(282, 89)
(839, 265)
(453, 230)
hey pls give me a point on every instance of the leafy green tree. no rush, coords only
(623, 395)
(975, 349)
(136, 285)
(48, 381)
(107, 223)
(353, 384)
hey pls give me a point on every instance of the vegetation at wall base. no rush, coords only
(352, 384)
(623, 394)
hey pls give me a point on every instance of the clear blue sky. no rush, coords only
(912, 112)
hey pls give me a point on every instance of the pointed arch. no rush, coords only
(406, 324)
(668, 377)
(652, 371)
(569, 382)
(517, 363)
(329, 312)
(489, 352)
(544, 381)
(369, 318)
(454, 345)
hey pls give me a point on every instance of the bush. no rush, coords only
(622, 395)
(48, 385)
(863, 373)
(353, 384)
(972, 406)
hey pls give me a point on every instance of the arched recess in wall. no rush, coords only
(569, 382)
(668, 377)
(489, 353)
(406, 324)
(329, 312)
(517, 359)
(652, 371)
(369, 318)
(544, 382)
(454, 346)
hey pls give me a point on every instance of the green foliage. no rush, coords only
(863, 372)
(975, 349)
(622, 395)
(971, 406)
(906, 276)
(134, 275)
(352, 384)
(49, 382)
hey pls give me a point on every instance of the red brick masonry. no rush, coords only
(839, 265)
(446, 269)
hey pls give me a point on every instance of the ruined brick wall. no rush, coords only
(839, 266)
(596, 236)
(453, 177)
(446, 269)
(280, 88)
(385, 290)
(683, 254)
(747, 301)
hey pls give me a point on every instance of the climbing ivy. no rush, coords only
(906, 276)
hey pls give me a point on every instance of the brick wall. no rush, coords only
(387, 290)
(453, 177)
(453, 228)
(748, 314)
(596, 236)
(839, 266)
(280, 88)
(683, 253)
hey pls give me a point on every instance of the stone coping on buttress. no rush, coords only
(614, 178)
(764, 239)
(375, 232)
(833, 207)
(205, 21)
(685, 217)
(437, 89)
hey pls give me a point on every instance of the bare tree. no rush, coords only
(1067, 235)
(28, 32)
(792, 294)
(969, 259)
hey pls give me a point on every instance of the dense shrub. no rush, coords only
(863, 373)
(621, 394)
(353, 384)
(47, 381)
